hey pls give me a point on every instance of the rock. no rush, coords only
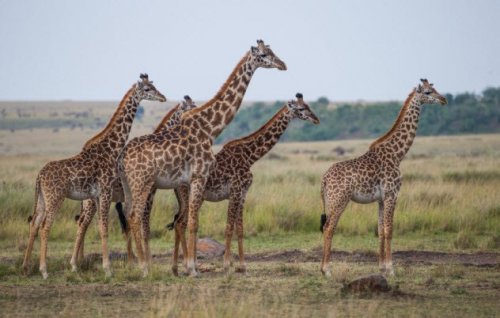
(370, 283)
(208, 247)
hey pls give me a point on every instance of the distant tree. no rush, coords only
(323, 101)
(491, 95)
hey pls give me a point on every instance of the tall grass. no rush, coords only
(441, 193)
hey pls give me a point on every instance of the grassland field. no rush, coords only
(449, 203)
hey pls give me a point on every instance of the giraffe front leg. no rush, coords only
(235, 216)
(229, 235)
(88, 209)
(182, 195)
(381, 250)
(239, 231)
(195, 200)
(103, 207)
(389, 206)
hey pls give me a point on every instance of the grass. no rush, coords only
(448, 202)
(441, 193)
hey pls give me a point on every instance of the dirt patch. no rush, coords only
(486, 259)
(481, 259)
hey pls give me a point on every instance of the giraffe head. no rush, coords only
(263, 56)
(147, 91)
(427, 94)
(187, 104)
(299, 109)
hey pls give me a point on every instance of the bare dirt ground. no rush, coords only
(482, 259)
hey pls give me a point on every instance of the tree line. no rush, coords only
(466, 113)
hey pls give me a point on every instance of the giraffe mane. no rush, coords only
(117, 114)
(395, 126)
(257, 132)
(165, 119)
(221, 90)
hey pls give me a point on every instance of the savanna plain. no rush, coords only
(446, 241)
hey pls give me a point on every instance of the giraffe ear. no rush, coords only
(419, 88)
(300, 98)
(188, 100)
(254, 50)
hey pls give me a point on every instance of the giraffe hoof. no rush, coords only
(45, 275)
(241, 270)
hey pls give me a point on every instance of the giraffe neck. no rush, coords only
(398, 140)
(218, 112)
(255, 146)
(171, 119)
(115, 134)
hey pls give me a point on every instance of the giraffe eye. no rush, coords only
(427, 92)
(263, 55)
(147, 89)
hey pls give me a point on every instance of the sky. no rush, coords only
(343, 50)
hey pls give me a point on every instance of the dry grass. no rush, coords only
(449, 201)
(284, 197)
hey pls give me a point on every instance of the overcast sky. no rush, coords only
(344, 50)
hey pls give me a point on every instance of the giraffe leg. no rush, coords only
(229, 236)
(139, 204)
(146, 229)
(35, 221)
(389, 206)
(88, 210)
(103, 206)
(34, 226)
(336, 210)
(135, 224)
(381, 250)
(182, 195)
(125, 232)
(239, 231)
(51, 209)
(195, 200)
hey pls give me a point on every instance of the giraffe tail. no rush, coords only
(126, 191)
(322, 220)
(38, 197)
(171, 226)
(121, 216)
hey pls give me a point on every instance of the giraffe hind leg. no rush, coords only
(35, 221)
(381, 237)
(52, 207)
(88, 210)
(334, 210)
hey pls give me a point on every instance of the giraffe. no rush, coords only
(230, 177)
(171, 119)
(184, 155)
(88, 175)
(374, 176)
